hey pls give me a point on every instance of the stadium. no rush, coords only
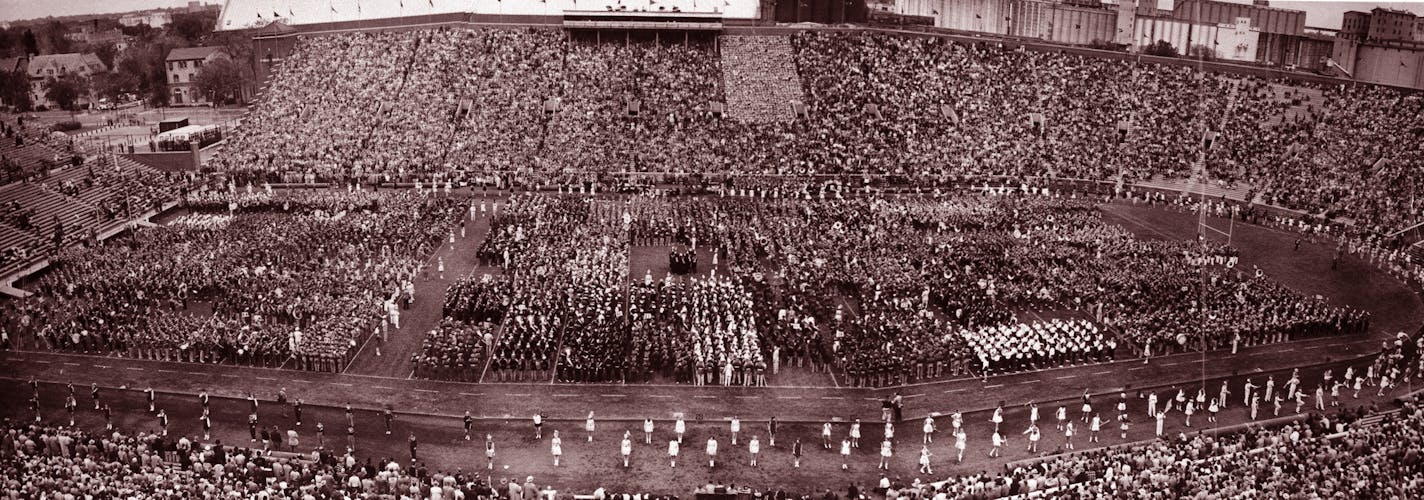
(733, 249)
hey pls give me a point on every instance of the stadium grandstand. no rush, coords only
(719, 250)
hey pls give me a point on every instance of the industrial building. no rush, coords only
(1381, 46)
(1253, 33)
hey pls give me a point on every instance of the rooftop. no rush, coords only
(190, 53)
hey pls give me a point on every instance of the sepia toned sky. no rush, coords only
(12, 10)
(1321, 14)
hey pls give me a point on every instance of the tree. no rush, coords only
(141, 71)
(219, 79)
(15, 89)
(1203, 52)
(32, 44)
(192, 27)
(54, 38)
(1161, 48)
(156, 78)
(106, 52)
(120, 81)
(66, 90)
(141, 31)
(8, 42)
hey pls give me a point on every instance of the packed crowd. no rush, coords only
(550, 108)
(454, 350)
(1356, 450)
(298, 278)
(886, 290)
(874, 285)
(63, 462)
(1317, 457)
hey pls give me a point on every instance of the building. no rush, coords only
(1255, 33)
(156, 19)
(42, 68)
(1388, 62)
(183, 66)
(14, 64)
(1281, 31)
(1315, 50)
(1355, 25)
(1381, 46)
(88, 36)
(1390, 24)
(1382, 24)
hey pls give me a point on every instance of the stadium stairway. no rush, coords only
(759, 75)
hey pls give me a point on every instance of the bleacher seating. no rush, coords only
(85, 199)
(105, 182)
(28, 159)
(16, 248)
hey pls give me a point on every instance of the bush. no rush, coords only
(1160, 48)
(66, 126)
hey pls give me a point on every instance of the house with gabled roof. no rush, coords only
(42, 68)
(183, 66)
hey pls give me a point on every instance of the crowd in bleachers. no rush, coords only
(300, 279)
(66, 463)
(385, 103)
(27, 150)
(52, 199)
(1320, 457)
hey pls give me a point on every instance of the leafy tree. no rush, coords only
(156, 78)
(237, 45)
(141, 71)
(106, 52)
(1161, 48)
(7, 42)
(220, 79)
(120, 81)
(15, 89)
(1203, 52)
(32, 44)
(66, 90)
(54, 38)
(192, 27)
(141, 30)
